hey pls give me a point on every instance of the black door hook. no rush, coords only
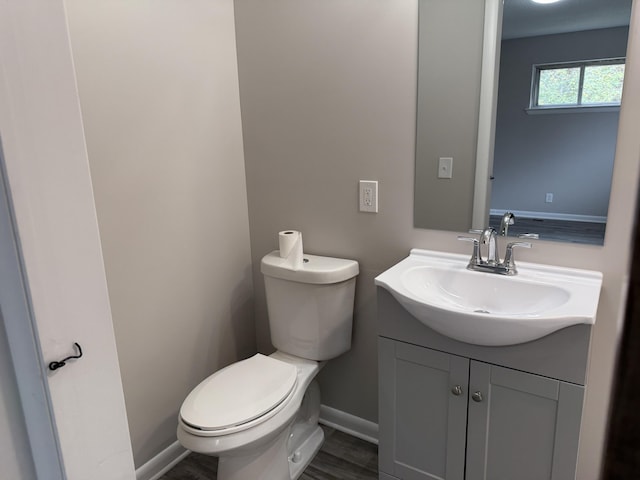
(62, 363)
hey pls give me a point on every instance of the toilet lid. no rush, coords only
(239, 393)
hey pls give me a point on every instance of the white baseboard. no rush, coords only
(347, 423)
(162, 463)
(569, 217)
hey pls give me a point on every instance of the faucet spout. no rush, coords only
(507, 219)
(488, 237)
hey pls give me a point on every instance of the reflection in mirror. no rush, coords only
(560, 77)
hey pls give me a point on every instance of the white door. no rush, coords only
(47, 174)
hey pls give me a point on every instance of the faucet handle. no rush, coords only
(469, 239)
(476, 249)
(509, 262)
(532, 236)
(477, 231)
(510, 246)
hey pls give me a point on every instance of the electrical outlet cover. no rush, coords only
(368, 196)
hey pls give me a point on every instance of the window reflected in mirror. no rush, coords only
(594, 83)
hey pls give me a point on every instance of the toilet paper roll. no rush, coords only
(290, 242)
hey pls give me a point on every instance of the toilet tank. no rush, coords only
(310, 309)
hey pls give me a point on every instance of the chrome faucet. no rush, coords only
(492, 263)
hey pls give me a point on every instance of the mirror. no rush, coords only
(486, 80)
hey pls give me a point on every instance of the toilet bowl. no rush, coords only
(238, 442)
(260, 415)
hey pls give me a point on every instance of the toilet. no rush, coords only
(260, 415)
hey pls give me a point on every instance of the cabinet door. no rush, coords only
(422, 416)
(521, 426)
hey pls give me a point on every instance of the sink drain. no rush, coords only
(481, 311)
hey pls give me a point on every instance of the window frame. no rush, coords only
(535, 85)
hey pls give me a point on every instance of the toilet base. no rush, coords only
(302, 456)
(273, 463)
(287, 454)
(269, 463)
(305, 436)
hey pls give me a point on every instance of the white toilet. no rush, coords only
(260, 415)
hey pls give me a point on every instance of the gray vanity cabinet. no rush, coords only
(422, 423)
(445, 416)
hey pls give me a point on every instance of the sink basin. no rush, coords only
(488, 309)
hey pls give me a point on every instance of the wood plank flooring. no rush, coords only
(342, 457)
(556, 230)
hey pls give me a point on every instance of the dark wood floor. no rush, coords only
(556, 230)
(342, 457)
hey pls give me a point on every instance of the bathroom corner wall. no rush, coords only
(328, 92)
(159, 95)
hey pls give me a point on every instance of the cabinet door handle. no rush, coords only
(457, 390)
(477, 397)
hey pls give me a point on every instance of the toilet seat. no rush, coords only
(239, 396)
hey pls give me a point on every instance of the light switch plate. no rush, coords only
(445, 167)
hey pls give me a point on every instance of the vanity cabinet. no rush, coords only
(422, 423)
(455, 411)
(444, 416)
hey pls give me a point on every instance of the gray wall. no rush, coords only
(328, 96)
(159, 95)
(567, 154)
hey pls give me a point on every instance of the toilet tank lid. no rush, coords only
(315, 269)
